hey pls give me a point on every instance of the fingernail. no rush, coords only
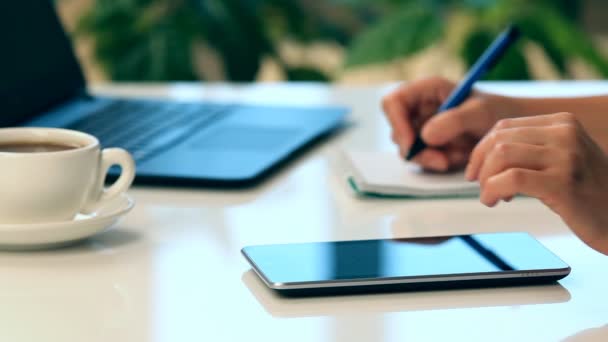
(468, 174)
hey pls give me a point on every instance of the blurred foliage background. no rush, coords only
(330, 40)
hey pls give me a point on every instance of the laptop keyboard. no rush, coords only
(146, 128)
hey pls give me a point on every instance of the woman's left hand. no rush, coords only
(552, 158)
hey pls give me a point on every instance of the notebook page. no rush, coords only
(386, 172)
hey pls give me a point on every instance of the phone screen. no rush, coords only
(416, 257)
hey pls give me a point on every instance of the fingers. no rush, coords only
(537, 121)
(408, 107)
(459, 150)
(451, 157)
(532, 156)
(538, 130)
(514, 155)
(515, 181)
(398, 116)
(457, 158)
(525, 135)
(432, 159)
(470, 117)
(561, 166)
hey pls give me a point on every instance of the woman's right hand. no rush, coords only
(450, 136)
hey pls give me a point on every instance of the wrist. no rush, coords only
(507, 107)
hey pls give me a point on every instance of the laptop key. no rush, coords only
(147, 127)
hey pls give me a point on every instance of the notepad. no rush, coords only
(386, 174)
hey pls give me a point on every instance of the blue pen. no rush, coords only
(487, 60)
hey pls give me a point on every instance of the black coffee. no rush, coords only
(34, 147)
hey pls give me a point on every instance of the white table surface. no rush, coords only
(172, 270)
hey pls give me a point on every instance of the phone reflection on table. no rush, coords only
(279, 306)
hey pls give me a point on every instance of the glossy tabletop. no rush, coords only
(172, 270)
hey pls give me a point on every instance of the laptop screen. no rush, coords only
(37, 66)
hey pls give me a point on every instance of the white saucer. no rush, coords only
(55, 234)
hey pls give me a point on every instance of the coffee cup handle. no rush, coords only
(109, 158)
(117, 156)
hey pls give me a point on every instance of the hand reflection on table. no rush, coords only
(426, 240)
(591, 334)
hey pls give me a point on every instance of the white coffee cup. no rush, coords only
(54, 186)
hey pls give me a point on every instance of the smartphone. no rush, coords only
(346, 267)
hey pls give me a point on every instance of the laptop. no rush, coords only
(173, 143)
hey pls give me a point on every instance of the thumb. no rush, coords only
(445, 127)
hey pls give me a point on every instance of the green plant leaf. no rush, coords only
(550, 24)
(141, 40)
(236, 30)
(306, 74)
(536, 31)
(401, 34)
(567, 9)
(561, 39)
(512, 66)
(573, 42)
(151, 40)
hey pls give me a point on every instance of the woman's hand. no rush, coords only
(451, 135)
(552, 158)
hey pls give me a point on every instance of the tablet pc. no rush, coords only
(345, 267)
